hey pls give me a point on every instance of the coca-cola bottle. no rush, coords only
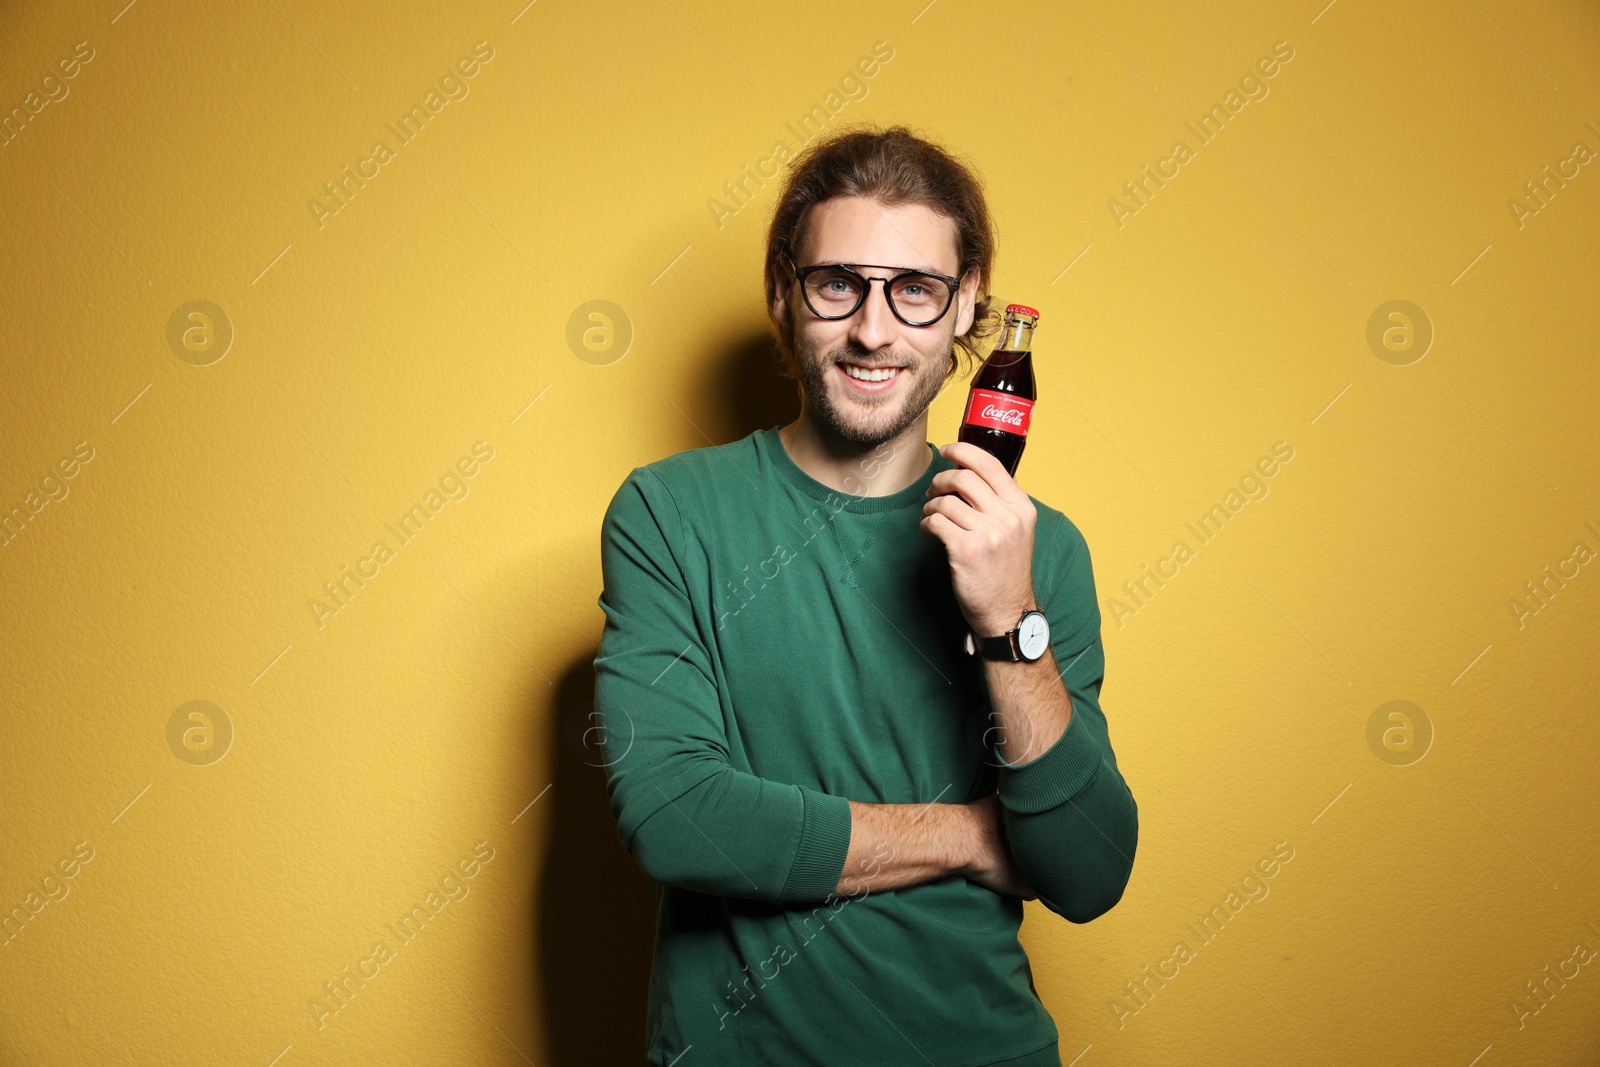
(1001, 400)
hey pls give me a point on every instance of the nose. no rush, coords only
(873, 325)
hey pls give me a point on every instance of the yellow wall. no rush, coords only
(374, 748)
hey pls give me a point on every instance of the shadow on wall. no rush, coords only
(743, 391)
(597, 912)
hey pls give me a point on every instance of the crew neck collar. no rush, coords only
(771, 445)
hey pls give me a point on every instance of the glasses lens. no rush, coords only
(920, 298)
(834, 292)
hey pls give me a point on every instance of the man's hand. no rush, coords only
(986, 523)
(991, 864)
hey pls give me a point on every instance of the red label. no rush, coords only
(998, 411)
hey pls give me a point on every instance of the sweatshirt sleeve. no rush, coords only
(1070, 819)
(683, 812)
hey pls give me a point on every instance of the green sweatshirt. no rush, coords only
(774, 648)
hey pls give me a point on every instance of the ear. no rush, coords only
(782, 291)
(967, 301)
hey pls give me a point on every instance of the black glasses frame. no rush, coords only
(800, 274)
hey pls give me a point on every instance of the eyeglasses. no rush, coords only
(837, 291)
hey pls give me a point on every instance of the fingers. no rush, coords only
(951, 509)
(986, 466)
(969, 486)
(941, 527)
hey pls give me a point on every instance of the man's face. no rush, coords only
(909, 237)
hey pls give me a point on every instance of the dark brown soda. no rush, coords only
(1009, 370)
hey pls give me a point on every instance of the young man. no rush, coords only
(844, 808)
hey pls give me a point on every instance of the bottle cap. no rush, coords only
(1024, 308)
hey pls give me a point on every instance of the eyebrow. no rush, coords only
(885, 266)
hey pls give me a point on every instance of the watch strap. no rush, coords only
(1003, 647)
(1006, 647)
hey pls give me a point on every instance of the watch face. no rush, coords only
(1033, 636)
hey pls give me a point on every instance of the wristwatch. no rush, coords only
(1026, 642)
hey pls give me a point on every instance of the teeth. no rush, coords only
(865, 375)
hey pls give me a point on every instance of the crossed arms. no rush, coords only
(1062, 826)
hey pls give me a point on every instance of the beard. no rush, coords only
(866, 419)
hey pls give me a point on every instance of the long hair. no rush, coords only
(892, 166)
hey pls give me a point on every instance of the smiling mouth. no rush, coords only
(871, 375)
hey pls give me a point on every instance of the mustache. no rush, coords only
(872, 365)
(882, 359)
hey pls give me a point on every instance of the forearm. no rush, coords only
(895, 845)
(1070, 819)
(732, 834)
(1079, 855)
(1031, 707)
